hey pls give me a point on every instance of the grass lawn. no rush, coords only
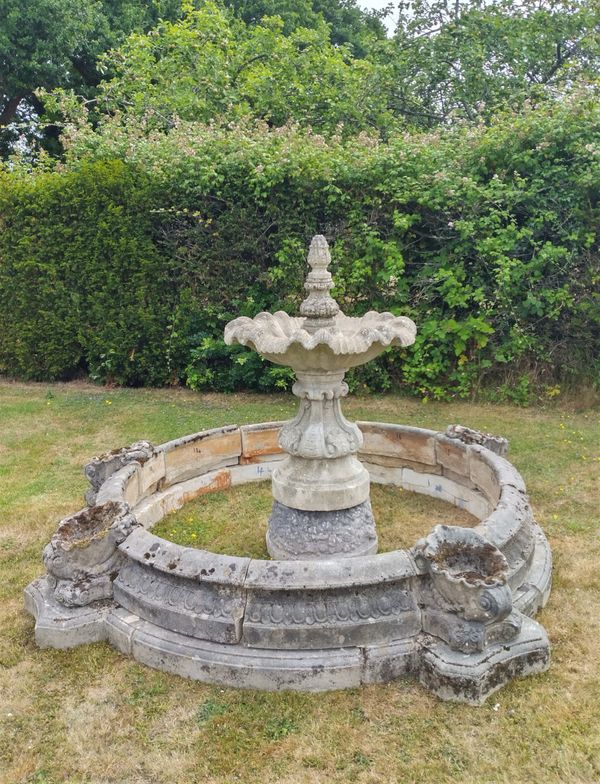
(91, 715)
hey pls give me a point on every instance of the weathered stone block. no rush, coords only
(382, 474)
(193, 455)
(509, 515)
(472, 678)
(152, 473)
(131, 488)
(63, 627)
(453, 455)
(418, 482)
(274, 458)
(253, 472)
(483, 475)
(198, 609)
(533, 594)
(410, 443)
(261, 440)
(476, 504)
(198, 565)
(460, 480)
(389, 660)
(330, 619)
(152, 509)
(149, 511)
(116, 486)
(388, 461)
(120, 628)
(99, 469)
(248, 668)
(467, 435)
(323, 575)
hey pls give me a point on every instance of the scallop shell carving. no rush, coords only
(275, 333)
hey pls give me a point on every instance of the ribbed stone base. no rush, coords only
(295, 534)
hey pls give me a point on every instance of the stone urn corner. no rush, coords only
(468, 602)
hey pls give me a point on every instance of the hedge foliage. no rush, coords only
(127, 260)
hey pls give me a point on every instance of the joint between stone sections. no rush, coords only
(260, 440)
(193, 455)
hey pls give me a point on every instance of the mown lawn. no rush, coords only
(91, 715)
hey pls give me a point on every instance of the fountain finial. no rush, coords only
(319, 307)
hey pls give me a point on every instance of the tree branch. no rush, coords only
(245, 65)
(10, 109)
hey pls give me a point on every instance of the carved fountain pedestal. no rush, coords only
(321, 505)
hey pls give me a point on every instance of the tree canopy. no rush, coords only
(45, 44)
(468, 58)
(49, 44)
(210, 65)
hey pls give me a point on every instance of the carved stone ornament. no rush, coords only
(98, 470)
(469, 602)
(440, 613)
(83, 558)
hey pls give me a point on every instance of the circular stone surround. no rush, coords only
(304, 625)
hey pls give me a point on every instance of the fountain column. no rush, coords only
(321, 506)
(321, 491)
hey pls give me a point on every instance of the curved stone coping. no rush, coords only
(420, 460)
(273, 604)
(190, 563)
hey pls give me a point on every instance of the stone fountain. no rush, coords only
(455, 611)
(321, 491)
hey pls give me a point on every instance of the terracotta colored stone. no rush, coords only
(404, 442)
(260, 440)
(194, 455)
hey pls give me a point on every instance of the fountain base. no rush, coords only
(296, 534)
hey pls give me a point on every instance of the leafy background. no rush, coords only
(454, 168)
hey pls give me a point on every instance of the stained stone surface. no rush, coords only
(296, 534)
(327, 613)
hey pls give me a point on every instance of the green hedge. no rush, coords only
(126, 262)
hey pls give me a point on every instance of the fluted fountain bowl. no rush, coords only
(346, 342)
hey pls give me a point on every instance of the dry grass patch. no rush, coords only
(234, 521)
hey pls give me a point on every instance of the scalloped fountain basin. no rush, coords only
(305, 625)
(347, 342)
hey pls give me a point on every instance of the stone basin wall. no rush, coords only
(283, 604)
(287, 624)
